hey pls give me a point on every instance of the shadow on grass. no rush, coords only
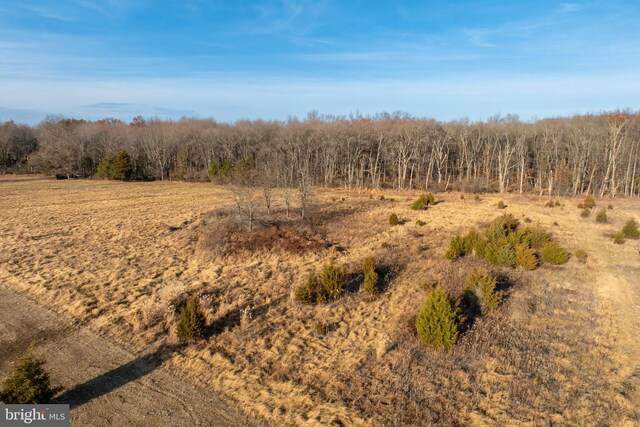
(232, 318)
(471, 307)
(386, 273)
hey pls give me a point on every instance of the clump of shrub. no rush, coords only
(601, 216)
(437, 323)
(526, 257)
(610, 207)
(588, 203)
(420, 222)
(457, 248)
(476, 197)
(501, 205)
(502, 227)
(29, 383)
(332, 279)
(460, 246)
(500, 253)
(393, 219)
(535, 236)
(191, 323)
(585, 212)
(619, 238)
(581, 255)
(422, 202)
(370, 277)
(327, 287)
(553, 253)
(505, 244)
(483, 287)
(310, 292)
(630, 230)
(550, 204)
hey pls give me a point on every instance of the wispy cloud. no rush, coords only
(49, 13)
(510, 32)
(129, 109)
(386, 56)
(571, 7)
(285, 16)
(95, 6)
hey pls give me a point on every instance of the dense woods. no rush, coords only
(596, 154)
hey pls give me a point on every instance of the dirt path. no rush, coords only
(618, 287)
(615, 274)
(106, 385)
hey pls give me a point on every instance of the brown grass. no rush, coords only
(121, 257)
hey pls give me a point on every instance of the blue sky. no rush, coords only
(274, 59)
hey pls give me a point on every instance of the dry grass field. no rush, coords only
(119, 259)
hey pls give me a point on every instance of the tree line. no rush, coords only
(597, 153)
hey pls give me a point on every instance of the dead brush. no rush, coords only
(245, 317)
(227, 237)
(151, 314)
(161, 309)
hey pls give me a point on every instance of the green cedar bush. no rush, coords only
(504, 256)
(601, 216)
(581, 255)
(630, 230)
(535, 236)
(423, 201)
(370, 282)
(483, 287)
(310, 292)
(619, 238)
(191, 323)
(104, 167)
(526, 257)
(553, 253)
(501, 227)
(28, 384)
(332, 279)
(589, 202)
(437, 323)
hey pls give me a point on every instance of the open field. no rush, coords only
(118, 258)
